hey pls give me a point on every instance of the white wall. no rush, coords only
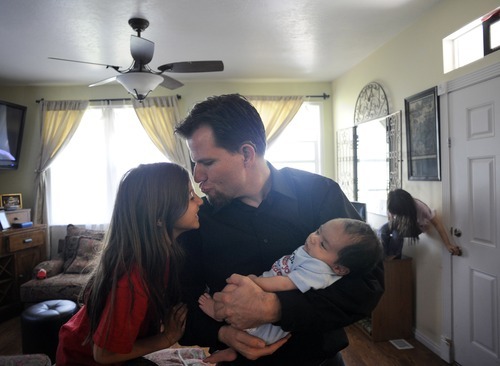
(408, 64)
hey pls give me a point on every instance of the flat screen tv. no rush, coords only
(12, 117)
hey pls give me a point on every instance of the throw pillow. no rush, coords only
(73, 235)
(70, 249)
(72, 230)
(52, 267)
(86, 255)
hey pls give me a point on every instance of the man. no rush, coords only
(254, 214)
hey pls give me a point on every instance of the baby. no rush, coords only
(339, 247)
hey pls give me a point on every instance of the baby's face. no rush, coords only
(326, 242)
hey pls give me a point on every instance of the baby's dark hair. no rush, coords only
(365, 250)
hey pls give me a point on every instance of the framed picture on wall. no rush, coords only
(422, 135)
(12, 201)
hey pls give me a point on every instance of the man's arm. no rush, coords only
(246, 305)
(336, 306)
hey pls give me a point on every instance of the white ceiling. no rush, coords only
(258, 40)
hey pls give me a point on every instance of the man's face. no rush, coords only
(220, 173)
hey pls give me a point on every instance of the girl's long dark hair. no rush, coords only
(401, 205)
(150, 199)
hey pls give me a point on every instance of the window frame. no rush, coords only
(489, 21)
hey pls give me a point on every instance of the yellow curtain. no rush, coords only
(59, 121)
(276, 112)
(158, 116)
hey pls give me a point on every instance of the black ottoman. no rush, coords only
(40, 325)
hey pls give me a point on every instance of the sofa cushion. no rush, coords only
(85, 258)
(37, 359)
(62, 286)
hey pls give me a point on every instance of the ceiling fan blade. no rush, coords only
(84, 62)
(105, 81)
(170, 83)
(193, 66)
(141, 49)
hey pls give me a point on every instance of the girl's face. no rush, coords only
(189, 220)
(390, 216)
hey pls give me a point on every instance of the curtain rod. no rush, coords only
(108, 100)
(324, 96)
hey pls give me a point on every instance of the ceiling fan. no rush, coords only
(139, 79)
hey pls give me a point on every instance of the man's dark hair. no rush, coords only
(233, 120)
(365, 250)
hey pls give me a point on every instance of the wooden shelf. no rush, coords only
(393, 316)
(20, 251)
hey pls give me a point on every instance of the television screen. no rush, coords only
(361, 208)
(12, 118)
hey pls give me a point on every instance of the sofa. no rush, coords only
(25, 360)
(67, 272)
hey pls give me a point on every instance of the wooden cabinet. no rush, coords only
(393, 316)
(20, 251)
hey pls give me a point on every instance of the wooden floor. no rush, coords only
(361, 351)
(10, 337)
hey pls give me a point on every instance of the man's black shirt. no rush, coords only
(238, 238)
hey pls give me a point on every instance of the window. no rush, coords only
(84, 178)
(110, 140)
(299, 144)
(491, 32)
(472, 42)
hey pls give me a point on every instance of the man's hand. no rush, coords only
(245, 305)
(247, 345)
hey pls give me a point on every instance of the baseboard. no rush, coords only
(428, 343)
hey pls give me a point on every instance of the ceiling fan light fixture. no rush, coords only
(139, 84)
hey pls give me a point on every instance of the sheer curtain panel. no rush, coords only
(158, 116)
(276, 112)
(59, 121)
(83, 180)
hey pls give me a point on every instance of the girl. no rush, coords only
(132, 300)
(408, 218)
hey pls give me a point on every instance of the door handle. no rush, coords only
(456, 232)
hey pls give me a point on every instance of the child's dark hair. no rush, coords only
(401, 205)
(150, 199)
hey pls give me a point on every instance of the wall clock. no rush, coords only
(371, 103)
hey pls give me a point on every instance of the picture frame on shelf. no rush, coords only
(12, 201)
(423, 136)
